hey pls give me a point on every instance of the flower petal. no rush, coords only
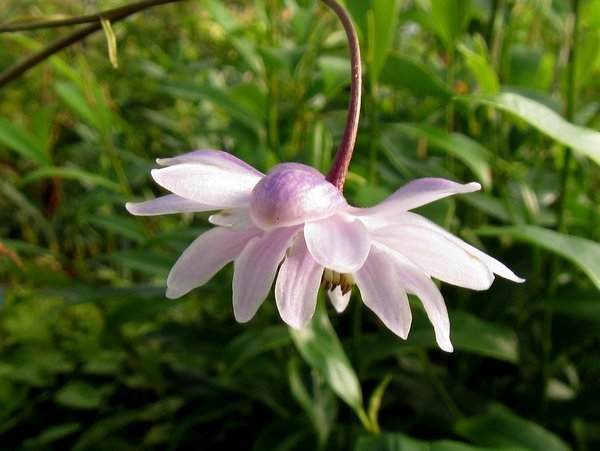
(412, 195)
(291, 194)
(421, 285)
(211, 158)
(382, 292)
(338, 299)
(494, 265)
(436, 255)
(297, 285)
(255, 268)
(237, 218)
(338, 243)
(210, 185)
(205, 257)
(171, 203)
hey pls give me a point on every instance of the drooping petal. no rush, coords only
(382, 291)
(338, 299)
(494, 265)
(210, 185)
(437, 256)
(338, 243)
(205, 257)
(421, 285)
(297, 285)
(171, 203)
(237, 218)
(412, 195)
(255, 268)
(211, 158)
(292, 194)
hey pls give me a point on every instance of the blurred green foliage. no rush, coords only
(92, 355)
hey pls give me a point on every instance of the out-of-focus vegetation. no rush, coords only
(504, 92)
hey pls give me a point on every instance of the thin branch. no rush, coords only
(339, 168)
(113, 15)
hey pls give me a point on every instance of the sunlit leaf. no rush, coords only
(581, 139)
(78, 394)
(405, 72)
(467, 150)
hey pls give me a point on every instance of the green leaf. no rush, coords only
(220, 97)
(78, 394)
(449, 18)
(481, 69)
(473, 334)
(319, 345)
(580, 251)
(403, 72)
(23, 142)
(85, 178)
(252, 343)
(401, 442)
(499, 427)
(52, 434)
(317, 400)
(335, 71)
(469, 151)
(581, 139)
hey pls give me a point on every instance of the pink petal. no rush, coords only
(255, 268)
(297, 285)
(412, 195)
(237, 218)
(171, 203)
(382, 292)
(291, 194)
(421, 285)
(210, 185)
(338, 243)
(437, 256)
(205, 257)
(340, 301)
(494, 265)
(211, 158)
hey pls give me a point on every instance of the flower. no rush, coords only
(293, 225)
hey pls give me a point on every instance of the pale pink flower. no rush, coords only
(294, 226)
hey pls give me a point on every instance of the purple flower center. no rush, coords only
(292, 194)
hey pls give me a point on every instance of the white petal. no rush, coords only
(494, 265)
(171, 203)
(211, 158)
(436, 255)
(237, 218)
(338, 299)
(297, 285)
(382, 292)
(291, 194)
(210, 185)
(205, 257)
(338, 243)
(412, 195)
(421, 285)
(255, 268)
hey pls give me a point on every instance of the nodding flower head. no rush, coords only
(295, 228)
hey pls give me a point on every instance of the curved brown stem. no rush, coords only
(339, 168)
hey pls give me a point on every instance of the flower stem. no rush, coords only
(339, 169)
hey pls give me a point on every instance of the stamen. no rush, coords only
(332, 279)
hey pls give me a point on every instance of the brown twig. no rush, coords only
(94, 24)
